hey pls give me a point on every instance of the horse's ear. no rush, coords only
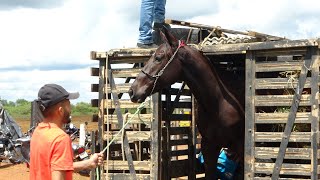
(169, 37)
(163, 37)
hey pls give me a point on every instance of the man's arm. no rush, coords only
(94, 161)
(58, 175)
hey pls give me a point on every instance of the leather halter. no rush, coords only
(158, 75)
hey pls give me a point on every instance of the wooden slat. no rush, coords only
(121, 87)
(287, 169)
(278, 66)
(123, 73)
(291, 153)
(145, 119)
(277, 137)
(119, 176)
(280, 100)
(180, 168)
(271, 118)
(123, 165)
(132, 136)
(94, 71)
(285, 44)
(269, 178)
(179, 130)
(181, 117)
(180, 104)
(124, 104)
(179, 152)
(278, 83)
(94, 87)
(179, 142)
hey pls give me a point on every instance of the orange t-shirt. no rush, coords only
(50, 150)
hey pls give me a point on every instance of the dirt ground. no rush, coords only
(20, 171)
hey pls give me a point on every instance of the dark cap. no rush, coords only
(51, 94)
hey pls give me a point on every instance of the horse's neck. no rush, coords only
(203, 82)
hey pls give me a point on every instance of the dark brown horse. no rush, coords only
(220, 116)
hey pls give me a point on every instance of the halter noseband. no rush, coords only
(158, 75)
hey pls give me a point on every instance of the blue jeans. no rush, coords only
(151, 11)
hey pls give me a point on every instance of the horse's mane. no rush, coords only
(229, 96)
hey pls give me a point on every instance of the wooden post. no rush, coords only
(249, 116)
(155, 143)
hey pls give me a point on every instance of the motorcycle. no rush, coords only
(10, 132)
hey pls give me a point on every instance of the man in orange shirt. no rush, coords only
(51, 155)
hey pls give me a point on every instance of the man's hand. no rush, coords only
(96, 160)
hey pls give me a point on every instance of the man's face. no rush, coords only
(66, 117)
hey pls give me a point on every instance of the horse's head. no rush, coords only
(162, 69)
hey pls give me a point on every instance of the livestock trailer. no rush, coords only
(280, 80)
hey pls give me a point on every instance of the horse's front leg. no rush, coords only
(210, 153)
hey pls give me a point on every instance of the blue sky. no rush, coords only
(50, 41)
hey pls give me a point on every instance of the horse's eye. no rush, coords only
(157, 58)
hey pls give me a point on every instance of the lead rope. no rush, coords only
(139, 108)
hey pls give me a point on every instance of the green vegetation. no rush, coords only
(22, 108)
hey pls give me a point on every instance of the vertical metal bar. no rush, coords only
(249, 116)
(192, 143)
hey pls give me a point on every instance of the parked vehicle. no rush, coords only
(10, 132)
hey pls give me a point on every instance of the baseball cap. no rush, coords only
(51, 94)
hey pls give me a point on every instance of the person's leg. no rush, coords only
(146, 20)
(159, 11)
(159, 15)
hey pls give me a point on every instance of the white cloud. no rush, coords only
(51, 43)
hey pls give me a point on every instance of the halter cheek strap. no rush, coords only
(157, 76)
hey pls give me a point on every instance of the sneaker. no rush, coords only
(158, 26)
(147, 46)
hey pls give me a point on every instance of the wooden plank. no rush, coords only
(179, 152)
(269, 178)
(95, 71)
(277, 137)
(279, 83)
(287, 169)
(155, 144)
(179, 130)
(145, 119)
(181, 104)
(273, 118)
(132, 136)
(280, 100)
(124, 139)
(123, 165)
(181, 117)
(299, 51)
(278, 66)
(179, 142)
(249, 115)
(121, 87)
(291, 153)
(121, 176)
(180, 168)
(123, 73)
(285, 44)
(94, 87)
(124, 103)
(315, 113)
